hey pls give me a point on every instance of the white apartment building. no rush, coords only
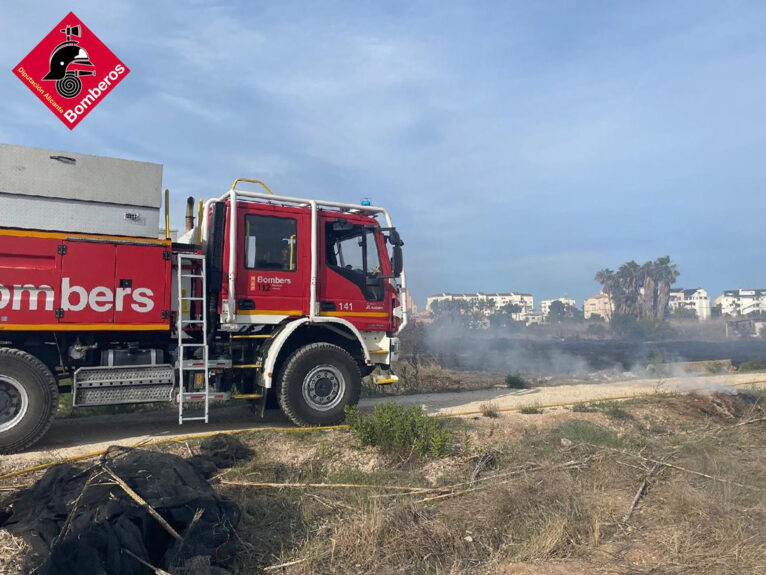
(524, 300)
(739, 302)
(693, 299)
(600, 305)
(545, 305)
(535, 319)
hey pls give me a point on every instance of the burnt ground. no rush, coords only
(566, 356)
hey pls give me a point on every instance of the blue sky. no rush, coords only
(520, 146)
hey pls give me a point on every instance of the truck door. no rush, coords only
(140, 281)
(273, 261)
(87, 282)
(29, 277)
(351, 284)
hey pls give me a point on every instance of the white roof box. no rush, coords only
(63, 191)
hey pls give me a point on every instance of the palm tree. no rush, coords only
(608, 280)
(642, 291)
(629, 278)
(647, 297)
(665, 274)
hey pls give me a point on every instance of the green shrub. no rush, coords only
(613, 410)
(583, 408)
(393, 427)
(515, 381)
(530, 410)
(751, 365)
(752, 395)
(489, 409)
(656, 357)
(582, 431)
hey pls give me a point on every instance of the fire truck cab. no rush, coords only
(263, 295)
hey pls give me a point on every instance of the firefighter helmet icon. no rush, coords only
(69, 53)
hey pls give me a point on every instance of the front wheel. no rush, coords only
(317, 382)
(28, 399)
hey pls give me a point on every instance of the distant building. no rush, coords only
(525, 301)
(740, 302)
(695, 299)
(600, 305)
(745, 327)
(545, 305)
(534, 319)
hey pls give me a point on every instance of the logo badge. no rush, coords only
(71, 70)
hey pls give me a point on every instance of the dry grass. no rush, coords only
(683, 524)
(545, 494)
(489, 409)
(527, 520)
(432, 377)
(13, 551)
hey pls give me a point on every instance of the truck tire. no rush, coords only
(317, 382)
(28, 399)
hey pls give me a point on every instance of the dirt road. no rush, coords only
(463, 403)
(79, 436)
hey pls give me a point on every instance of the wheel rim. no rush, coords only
(14, 402)
(324, 387)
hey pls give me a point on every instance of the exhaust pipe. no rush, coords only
(189, 213)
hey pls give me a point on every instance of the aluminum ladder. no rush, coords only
(188, 363)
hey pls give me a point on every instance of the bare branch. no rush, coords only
(140, 500)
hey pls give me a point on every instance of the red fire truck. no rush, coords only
(264, 294)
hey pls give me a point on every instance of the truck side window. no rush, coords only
(271, 243)
(349, 254)
(353, 253)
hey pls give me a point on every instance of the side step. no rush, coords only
(386, 379)
(199, 364)
(189, 396)
(122, 384)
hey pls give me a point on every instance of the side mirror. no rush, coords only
(397, 261)
(394, 238)
(216, 239)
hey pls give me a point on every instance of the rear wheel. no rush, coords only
(317, 382)
(28, 399)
